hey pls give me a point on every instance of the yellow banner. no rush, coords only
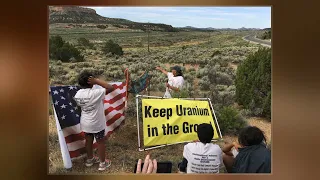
(169, 121)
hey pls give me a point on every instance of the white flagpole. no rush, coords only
(63, 145)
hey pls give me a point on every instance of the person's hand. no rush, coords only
(167, 85)
(92, 80)
(158, 68)
(236, 145)
(149, 166)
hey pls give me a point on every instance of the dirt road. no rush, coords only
(253, 39)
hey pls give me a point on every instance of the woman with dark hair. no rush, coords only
(251, 155)
(175, 80)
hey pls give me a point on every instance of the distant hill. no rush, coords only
(81, 15)
(190, 28)
(210, 29)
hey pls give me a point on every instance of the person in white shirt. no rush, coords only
(203, 156)
(93, 120)
(175, 80)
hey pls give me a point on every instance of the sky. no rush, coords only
(202, 17)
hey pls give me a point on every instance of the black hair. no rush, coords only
(251, 135)
(205, 133)
(178, 70)
(179, 73)
(83, 79)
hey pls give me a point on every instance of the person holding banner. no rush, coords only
(175, 80)
(203, 156)
(92, 120)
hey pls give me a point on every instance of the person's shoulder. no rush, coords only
(190, 145)
(79, 92)
(97, 88)
(215, 147)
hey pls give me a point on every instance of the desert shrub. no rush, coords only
(57, 81)
(224, 63)
(72, 66)
(85, 42)
(222, 95)
(192, 69)
(183, 93)
(69, 53)
(253, 83)
(216, 77)
(102, 26)
(84, 65)
(222, 78)
(204, 83)
(246, 112)
(215, 53)
(64, 51)
(72, 77)
(230, 120)
(113, 48)
(202, 72)
(188, 77)
(56, 71)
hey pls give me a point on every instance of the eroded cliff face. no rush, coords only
(74, 14)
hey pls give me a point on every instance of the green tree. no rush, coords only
(253, 83)
(64, 51)
(113, 48)
(230, 120)
(68, 52)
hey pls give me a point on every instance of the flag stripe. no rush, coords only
(75, 137)
(119, 85)
(114, 118)
(72, 146)
(115, 104)
(71, 130)
(114, 93)
(116, 98)
(118, 124)
(115, 124)
(111, 109)
(80, 151)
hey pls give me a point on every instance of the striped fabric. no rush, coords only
(68, 114)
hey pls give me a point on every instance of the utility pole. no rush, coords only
(148, 30)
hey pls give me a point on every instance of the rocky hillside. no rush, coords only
(81, 15)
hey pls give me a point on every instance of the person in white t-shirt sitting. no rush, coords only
(203, 156)
(175, 80)
(93, 120)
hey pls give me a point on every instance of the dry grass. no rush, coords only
(122, 150)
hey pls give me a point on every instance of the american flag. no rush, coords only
(68, 114)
